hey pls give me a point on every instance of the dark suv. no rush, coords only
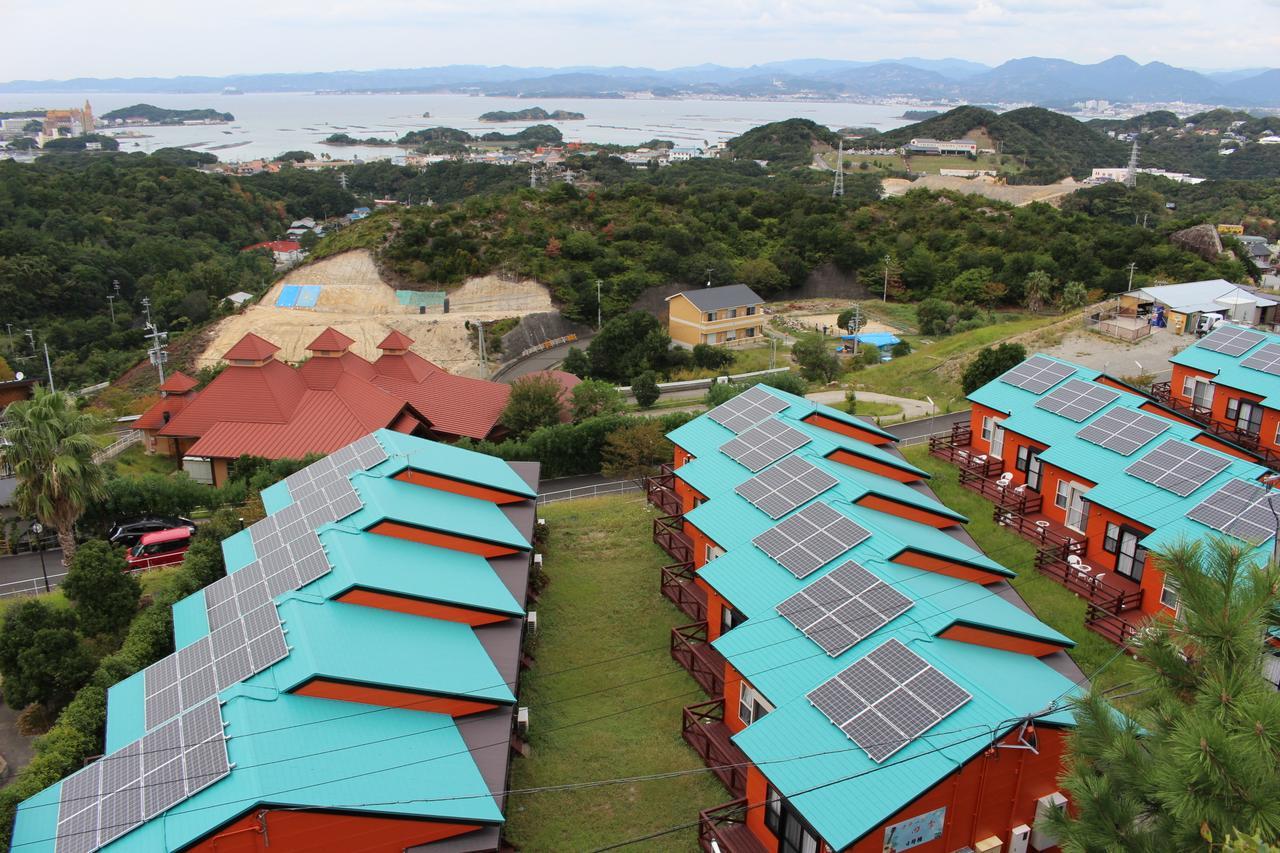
(127, 533)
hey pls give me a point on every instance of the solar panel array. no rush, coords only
(750, 407)
(1231, 340)
(1240, 509)
(1123, 430)
(1266, 359)
(763, 443)
(785, 486)
(887, 699)
(289, 552)
(810, 539)
(1178, 467)
(213, 663)
(844, 607)
(121, 791)
(1037, 374)
(1077, 399)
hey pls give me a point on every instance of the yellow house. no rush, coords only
(725, 316)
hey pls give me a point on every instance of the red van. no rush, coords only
(162, 548)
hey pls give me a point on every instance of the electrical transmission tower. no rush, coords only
(1131, 177)
(837, 189)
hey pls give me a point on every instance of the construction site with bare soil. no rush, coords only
(347, 292)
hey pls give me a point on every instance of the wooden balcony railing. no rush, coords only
(690, 649)
(1021, 501)
(1115, 628)
(678, 586)
(660, 490)
(723, 829)
(668, 534)
(704, 730)
(1102, 596)
(1041, 534)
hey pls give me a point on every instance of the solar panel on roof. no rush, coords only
(1077, 399)
(120, 791)
(1178, 467)
(228, 655)
(763, 443)
(843, 607)
(1266, 359)
(810, 539)
(1123, 430)
(785, 486)
(1241, 509)
(887, 698)
(748, 408)
(1037, 374)
(1231, 340)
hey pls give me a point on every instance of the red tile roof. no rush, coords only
(251, 348)
(154, 417)
(275, 246)
(323, 372)
(454, 405)
(408, 366)
(253, 394)
(396, 340)
(178, 383)
(330, 340)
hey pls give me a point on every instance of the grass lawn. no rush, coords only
(873, 409)
(135, 461)
(1051, 602)
(603, 603)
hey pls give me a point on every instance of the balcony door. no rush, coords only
(1130, 556)
(781, 819)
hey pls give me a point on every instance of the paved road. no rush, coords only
(927, 426)
(26, 567)
(545, 360)
(7, 485)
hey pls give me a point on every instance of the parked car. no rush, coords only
(162, 548)
(127, 533)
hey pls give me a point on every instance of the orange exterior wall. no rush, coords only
(986, 797)
(1222, 447)
(976, 414)
(1153, 409)
(323, 688)
(732, 690)
(418, 607)
(945, 567)
(853, 460)
(1270, 417)
(997, 640)
(901, 510)
(833, 425)
(301, 831)
(700, 542)
(440, 540)
(444, 484)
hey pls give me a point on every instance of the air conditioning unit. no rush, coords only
(989, 845)
(522, 722)
(537, 560)
(1019, 836)
(1041, 837)
(531, 619)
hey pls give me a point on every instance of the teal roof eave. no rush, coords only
(454, 463)
(237, 550)
(276, 497)
(126, 712)
(190, 620)
(386, 499)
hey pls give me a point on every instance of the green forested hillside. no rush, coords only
(784, 143)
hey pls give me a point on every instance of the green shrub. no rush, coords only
(645, 389)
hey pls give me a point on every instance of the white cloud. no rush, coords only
(70, 38)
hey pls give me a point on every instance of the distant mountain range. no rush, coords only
(1036, 80)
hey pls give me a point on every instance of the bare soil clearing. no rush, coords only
(357, 301)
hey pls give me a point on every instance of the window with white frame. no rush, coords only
(1169, 593)
(987, 424)
(751, 705)
(1062, 497)
(712, 551)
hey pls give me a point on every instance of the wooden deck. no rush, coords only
(723, 829)
(690, 649)
(679, 586)
(669, 535)
(704, 729)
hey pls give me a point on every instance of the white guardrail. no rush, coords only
(617, 487)
(694, 384)
(30, 586)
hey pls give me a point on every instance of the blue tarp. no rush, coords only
(875, 339)
(307, 295)
(288, 296)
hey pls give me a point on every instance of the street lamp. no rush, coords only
(36, 529)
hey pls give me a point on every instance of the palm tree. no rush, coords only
(49, 445)
(1036, 290)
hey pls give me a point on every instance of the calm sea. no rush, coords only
(268, 124)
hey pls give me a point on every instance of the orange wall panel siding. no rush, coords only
(853, 460)
(901, 510)
(1152, 584)
(757, 791)
(976, 414)
(444, 484)
(1153, 409)
(418, 607)
(679, 456)
(945, 567)
(732, 689)
(1113, 383)
(700, 542)
(1096, 554)
(979, 636)
(842, 428)
(324, 688)
(312, 832)
(715, 609)
(1222, 447)
(440, 540)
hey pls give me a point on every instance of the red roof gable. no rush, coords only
(396, 340)
(455, 405)
(178, 383)
(251, 348)
(154, 417)
(330, 340)
(407, 366)
(253, 394)
(324, 372)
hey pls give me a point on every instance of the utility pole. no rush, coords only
(598, 311)
(533, 177)
(111, 300)
(156, 351)
(480, 335)
(48, 368)
(9, 331)
(773, 352)
(855, 323)
(837, 189)
(146, 308)
(1131, 176)
(884, 297)
(1132, 266)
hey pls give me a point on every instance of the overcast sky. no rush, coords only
(72, 38)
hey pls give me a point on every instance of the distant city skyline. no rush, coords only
(151, 38)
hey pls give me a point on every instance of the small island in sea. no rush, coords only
(532, 114)
(920, 115)
(150, 114)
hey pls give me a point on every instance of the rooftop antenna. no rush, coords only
(837, 189)
(1131, 176)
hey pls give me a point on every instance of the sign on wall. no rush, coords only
(915, 831)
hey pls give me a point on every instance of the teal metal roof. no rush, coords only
(392, 500)
(320, 761)
(841, 792)
(1230, 371)
(1117, 490)
(451, 462)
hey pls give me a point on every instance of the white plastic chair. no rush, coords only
(1020, 490)
(1005, 479)
(1074, 561)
